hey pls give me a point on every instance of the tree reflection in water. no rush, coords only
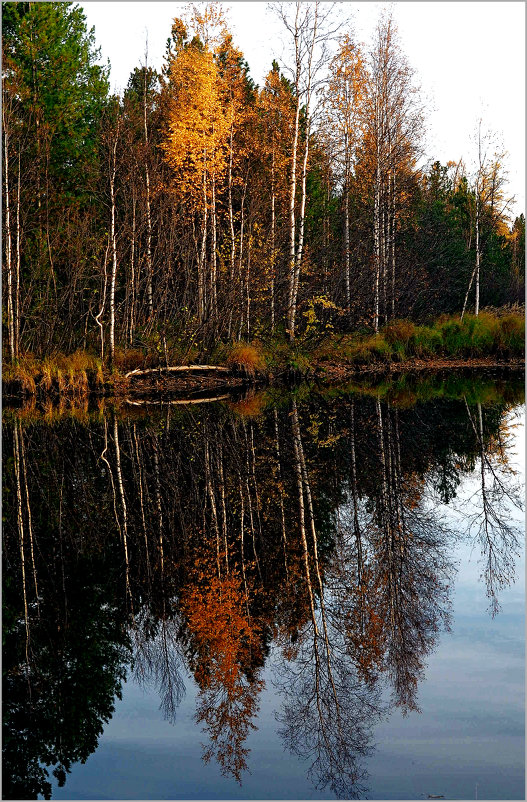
(190, 542)
(490, 520)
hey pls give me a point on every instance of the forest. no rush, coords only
(198, 211)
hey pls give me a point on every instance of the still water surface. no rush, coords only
(278, 598)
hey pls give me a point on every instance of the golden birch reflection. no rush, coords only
(204, 542)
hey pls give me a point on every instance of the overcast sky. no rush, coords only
(469, 60)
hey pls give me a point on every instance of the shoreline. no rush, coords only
(160, 383)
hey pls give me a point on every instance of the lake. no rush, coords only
(313, 594)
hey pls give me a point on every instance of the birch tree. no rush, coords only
(393, 125)
(345, 116)
(489, 201)
(195, 144)
(309, 27)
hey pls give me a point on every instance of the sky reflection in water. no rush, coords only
(470, 728)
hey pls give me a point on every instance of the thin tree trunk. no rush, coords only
(478, 256)
(202, 257)
(132, 273)
(148, 210)
(273, 247)
(114, 250)
(292, 227)
(300, 450)
(393, 225)
(240, 260)
(383, 259)
(301, 224)
(242, 537)
(231, 224)
(103, 301)
(347, 276)
(16, 304)
(476, 268)
(213, 272)
(9, 264)
(377, 239)
(247, 287)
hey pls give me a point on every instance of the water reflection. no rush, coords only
(195, 539)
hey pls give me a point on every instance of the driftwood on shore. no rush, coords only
(183, 380)
(177, 368)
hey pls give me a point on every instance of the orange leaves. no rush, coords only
(223, 635)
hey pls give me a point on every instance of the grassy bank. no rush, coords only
(489, 335)
(492, 337)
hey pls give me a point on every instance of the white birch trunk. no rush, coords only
(292, 226)
(202, 300)
(213, 270)
(132, 274)
(301, 223)
(148, 213)
(347, 243)
(478, 254)
(376, 248)
(113, 241)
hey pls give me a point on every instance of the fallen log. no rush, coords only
(177, 368)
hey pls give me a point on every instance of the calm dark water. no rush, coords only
(308, 596)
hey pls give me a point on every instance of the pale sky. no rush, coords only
(469, 60)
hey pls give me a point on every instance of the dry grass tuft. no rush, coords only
(247, 358)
